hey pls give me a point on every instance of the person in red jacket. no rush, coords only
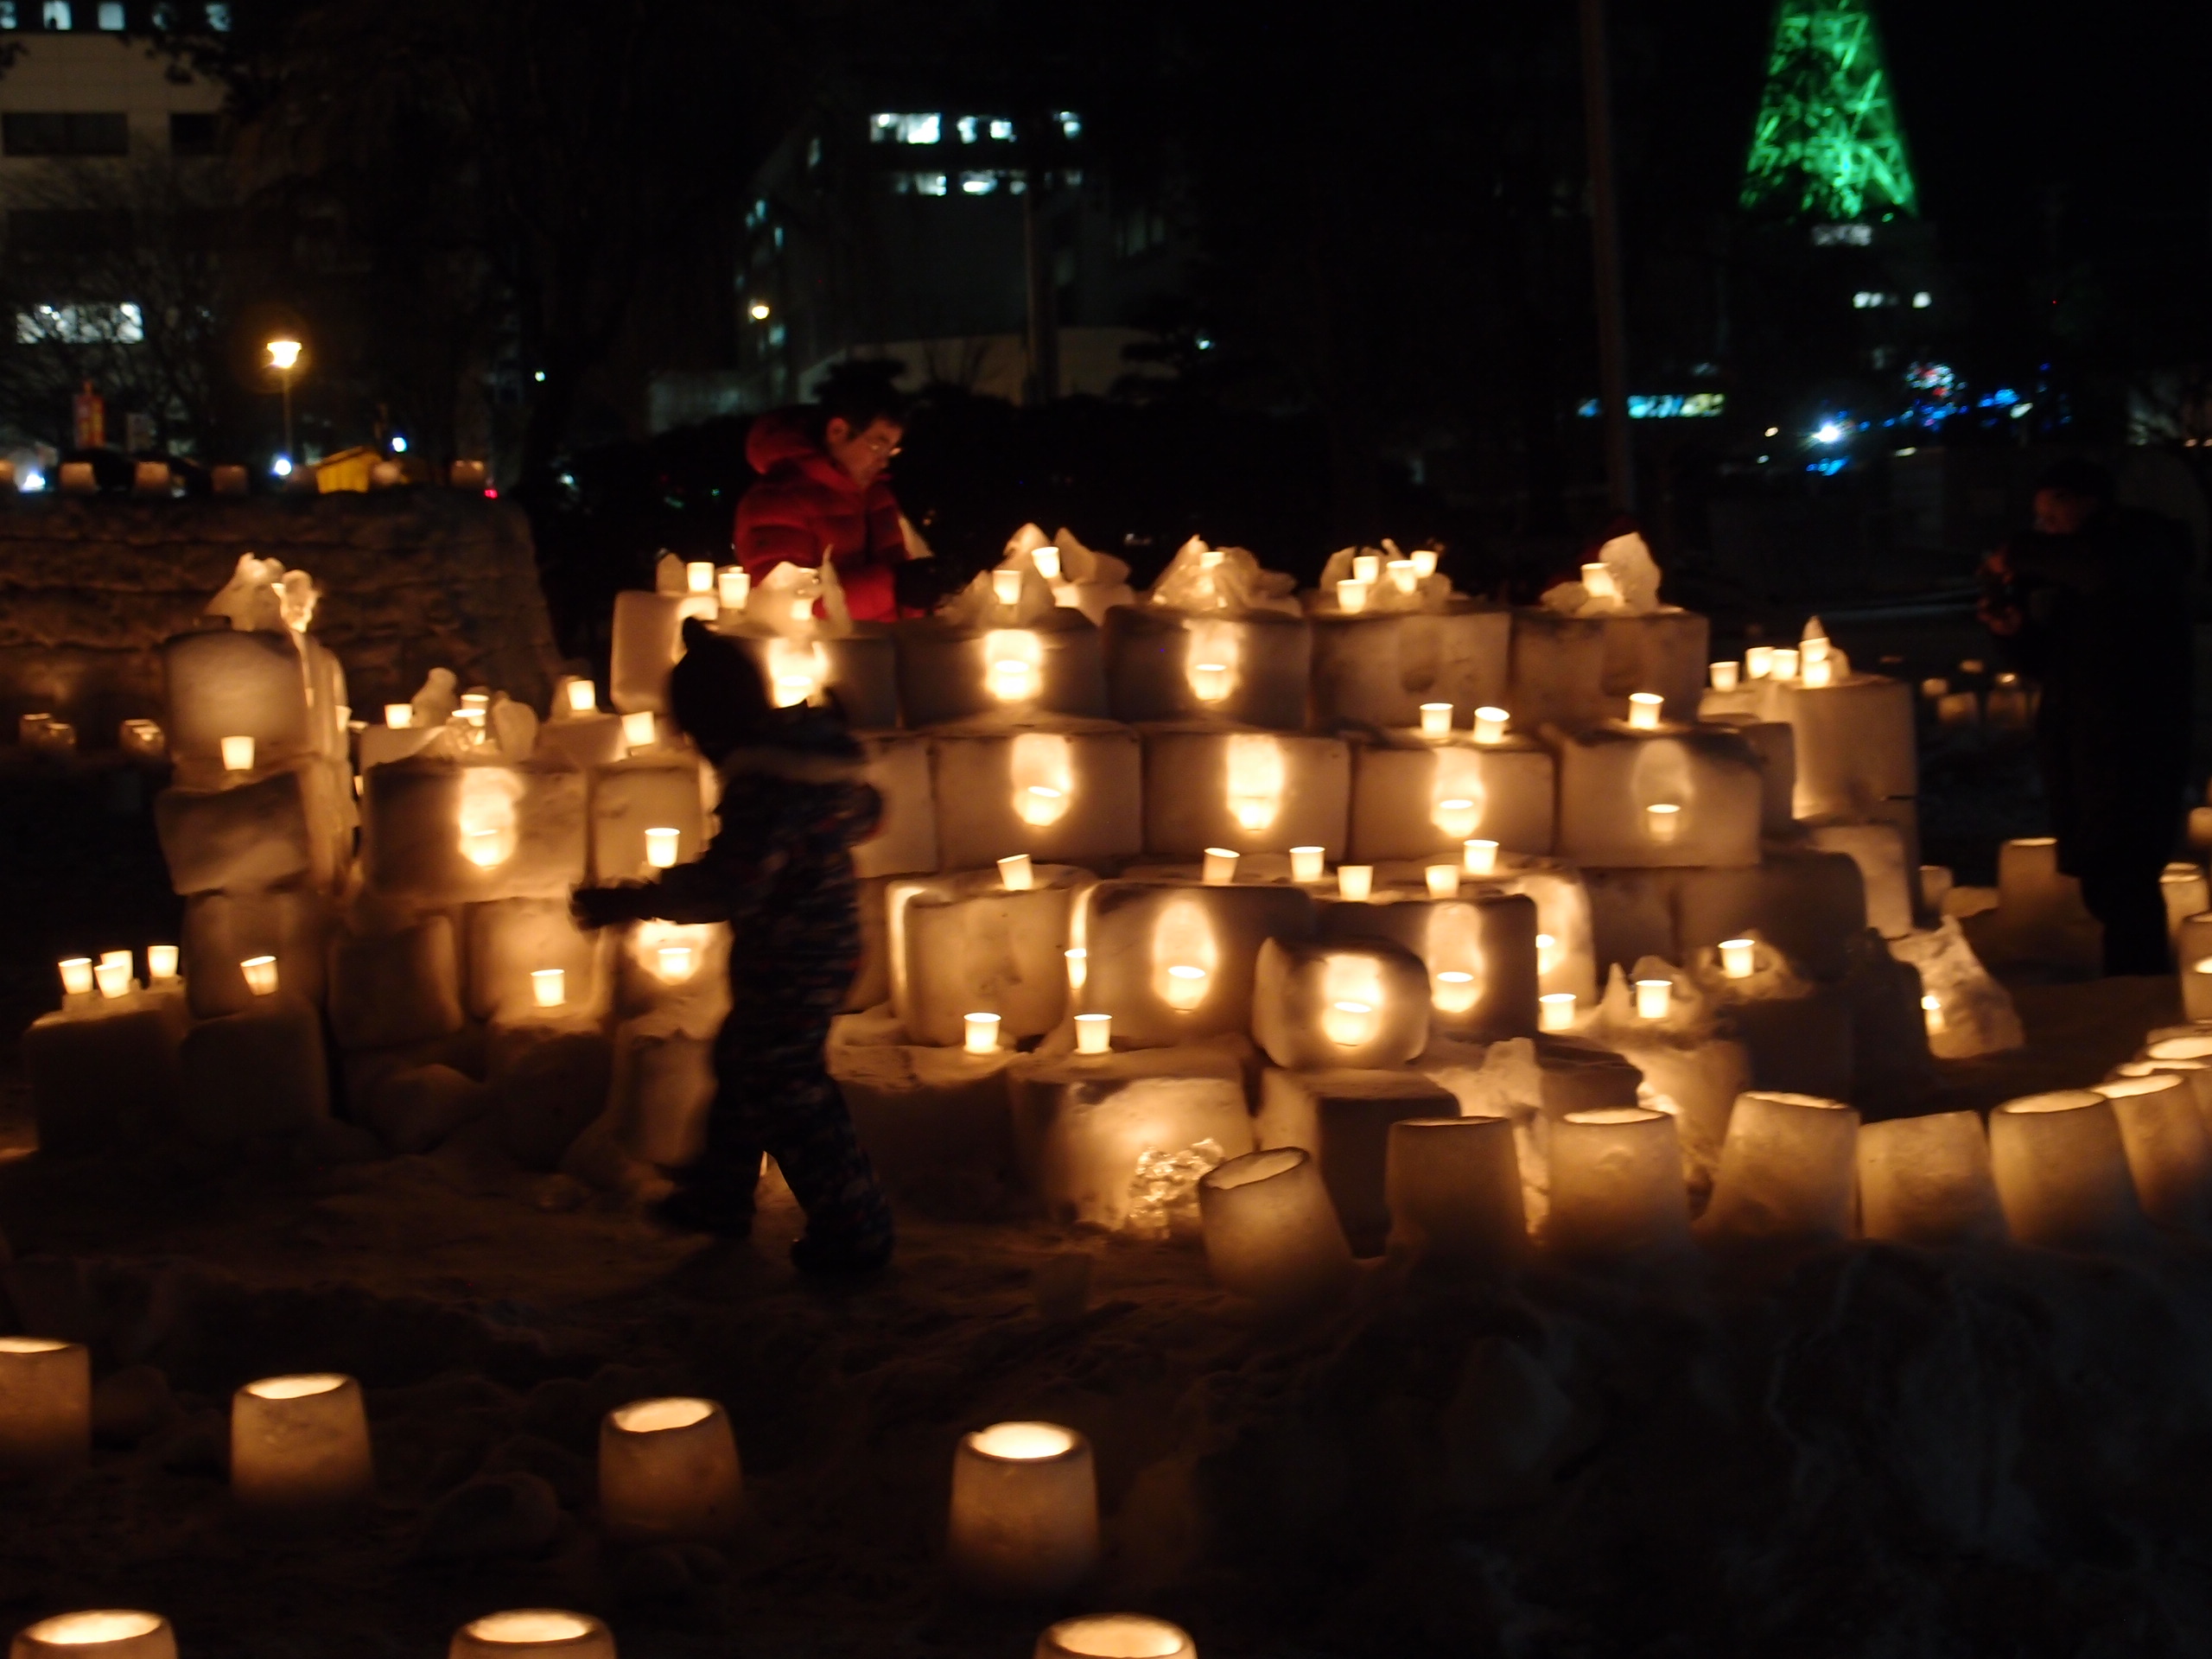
(823, 492)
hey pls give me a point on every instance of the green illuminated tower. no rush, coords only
(1827, 144)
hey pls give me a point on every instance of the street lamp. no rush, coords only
(283, 357)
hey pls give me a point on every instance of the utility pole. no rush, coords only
(1605, 259)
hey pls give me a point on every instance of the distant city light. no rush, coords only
(33, 482)
(1774, 431)
(758, 311)
(1664, 406)
(398, 444)
(1922, 300)
(1828, 432)
(283, 354)
(282, 467)
(539, 377)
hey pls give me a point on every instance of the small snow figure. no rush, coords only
(780, 872)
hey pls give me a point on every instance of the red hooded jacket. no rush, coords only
(806, 504)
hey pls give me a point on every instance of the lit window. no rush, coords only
(1922, 300)
(54, 14)
(978, 184)
(906, 128)
(218, 19)
(110, 15)
(967, 125)
(776, 337)
(814, 152)
(1843, 236)
(928, 184)
(82, 325)
(779, 236)
(1070, 123)
(1001, 132)
(6, 14)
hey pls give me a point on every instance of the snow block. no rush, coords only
(859, 669)
(632, 795)
(1666, 651)
(1358, 1005)
(509, 939)
(935, 1122)
(1809, 905)
(1343, 1118)
(551, 1078)
(390, 989)
(1886, 870)
(1558, 670)
(1066, 793)
(962, 944)
(418, 1108)
(255, 1073)
(222, 929)
(1479, 952)
(1631, 915)
(1251, 670)
(1854, 742)
(663, 1086)
(1616, 786)
(583, 740)
(226, 683)
(1377, 671)
(441, 833)
(1565, 942)
(281, 828)
(1055, 664)
(648, 640)
(1138, 935)
(905, 843)
(1249, 792)
(103, 1077)
(1413, 799)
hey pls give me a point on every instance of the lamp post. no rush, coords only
(283, 357)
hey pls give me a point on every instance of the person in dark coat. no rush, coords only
(780, 872)
(2093, 605)
(823, 493)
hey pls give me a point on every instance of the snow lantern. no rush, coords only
(2061, 1170)
(668, 1471)
(1926, 1180)
(106, 1633)
(46, 1404)
(532, 1633)
(1024, 1511)
(1114, 1636)
(1786, 1170)
(1617, 1189)
(1454, 1185)
(300, 1446)
(1271, 1232)
(2168, 1151)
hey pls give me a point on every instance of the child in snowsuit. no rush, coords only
(780, 872)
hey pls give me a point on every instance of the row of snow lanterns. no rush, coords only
(1023, 1520)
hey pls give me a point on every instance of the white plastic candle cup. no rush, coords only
(1479, 858)
(1453, 990)
(1739, 958)
(260, 974)
(1443, 880)
(1455, 817)
(1758, 662)
(1307, 864)
(1490, 724)
(1724, 675)
(105, 1633)
(1220, 867)
(1078, 960)
(668, 1472)
(1926, 1180)
(46, 1405)
(1352, 595)
(1785, 663)
(300, 1446)
(1367, 568)
(2168, 1151)
(1094, 1033)
(1436, 720)
(1556, 1011)
(1653, 997)
(2062, 1171)
(661, 847)
(1271, 1233)
(1184, 986)
(1024, 1521)
(1013, 679)
(1644, 708)
(1114, 1636)
(238, 754)
(699, 576)
(1424, 561)
(142, 737)
(1663, 821)
(77, 976)
(583, 697)
(801, 611)
(1047, 561)
(981, 1031)
(1355, 881)
(1348, 1024)
(1616, 1185)
(400, 717)
(673, 964)
(114, 978)
(1787, 1166)
(532, 1633)
(474, 703)
(161, 963)
(1454, 1185)
(549, 987)
(1931, 1014)
(733, 587)
(1404, 574)
(1817, 672)
(1006, 587)
(1017, 873)
(638, 731)
(1598, 581)
(1209, 681)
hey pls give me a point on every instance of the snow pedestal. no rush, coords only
(1632, 915)
(962, 944)
(418, 1108)
(1251, 667)
(1343, 1118)
(1249, 792)
(584, 741)
(551, 1075)
(936, 1122)
(1566, 963)
(1083, 1124)
(1663, 651)
(1175, 962)
(652, 792)
(1355, 1007)
(648, 639)
(678, 969)
(1413, 799)
(1452, 1186)
(1886, 869)
(1809, 905)
(512, 940)
(1051, 663)
(1377, 671)
(259, 1072)
(103, 1075)
(1271, 1232)
(225, 683)
(1559, 671)
(859, 668)
(222, 929)
(1069, 792)
(445, 833)
(1786, 1173)
(1480, 953)
(1681, 796)
(388, 990)
(1616, 1185)
(2062, 1171)
(282, 828)
(1854, 742)
(905, 843)
(2039, 917)
(2168, 1153)
(664, 1085)
(1775, 743)
(1926, 1180)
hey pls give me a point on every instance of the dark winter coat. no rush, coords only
(805, 503)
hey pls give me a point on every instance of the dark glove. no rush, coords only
(594, 908)
(920, 583)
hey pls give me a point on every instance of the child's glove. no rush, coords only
(597, 907)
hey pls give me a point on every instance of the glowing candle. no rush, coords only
(1185, 987)
(1452, 990)
(46, 1405)
(77, 976)
(733, 587)
(473, 704)
(1931, 1011)
(532, 1633)
(1209, 681)
(1480, 858)
(549, 987)
(1078, 960)
(1014, 669)
(106, 1633)
(1094, 1033)
(983, 1032)
(1047, 561)
(1785, 663)
(1819, 671)
(662, 845)
(1490, 725)
(801, 610)
(1006, 587)
(1348, 1024)
(1735, 958)
(238, 754)
(1663, 821)
(1355, 881)
(1040, 803)
(142, 737)
(1652, 998)
(260, 975)
(113, 977)
(668, 1472)
(583, 697)
(1306, 863)
(1424, 561)
(1114, 1636)
(1210, 558)
(1436, 720)
(1017, 873)
(1724, 675)
(1352, 595)
(1443, 880)
(638, 731)
(1597, 582)
(1643, 710)
(1457, 818)
(699, 576)
(1935, 689)
(1758, 662)
(1547, 953)
(1404, 575)
(161, 963)
(1367, 568)
(1024, 1511)
(1220, 867)
(400, 717)
(1556, 1011)
(300, 1446)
